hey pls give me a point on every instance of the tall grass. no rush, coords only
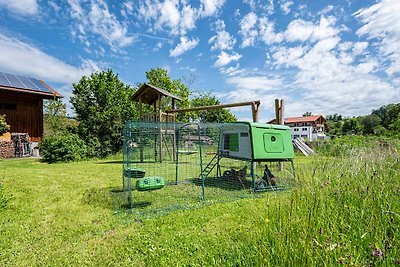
(345, 210)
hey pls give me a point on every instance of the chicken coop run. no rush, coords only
(175, 165)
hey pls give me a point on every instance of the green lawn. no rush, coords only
(343, 211)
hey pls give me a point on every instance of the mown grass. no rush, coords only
(344, 211)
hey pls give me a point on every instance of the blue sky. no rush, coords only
(321, 56)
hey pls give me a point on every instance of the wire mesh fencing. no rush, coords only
(170, 165)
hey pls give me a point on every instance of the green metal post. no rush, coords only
(252, 175)
(201, 162)
(177, 155)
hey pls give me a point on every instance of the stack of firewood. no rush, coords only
(7, 149)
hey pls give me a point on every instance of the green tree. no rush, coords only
(102, 105)
(334, 117)
(207, 99)
(4, 127)
(160, 77)
(308, 113)
(369, 123)
(55, 118)
(394, 118)
(351, 126)
(383, 114)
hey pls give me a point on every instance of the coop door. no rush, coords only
(231, 142)
(273, 143)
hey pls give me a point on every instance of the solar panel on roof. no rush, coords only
(40, 85)
(23, 82)
(3, 80)
(15, 82)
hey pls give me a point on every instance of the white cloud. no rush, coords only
(176, 17)
(299, 30)
(382, 22)
(248, 29)
(288, 56)
(222, 40)
(359, 47)
(21, 7)
(285, 6)
(127, 8)
(158, 46)
(184, 46)
(255, 83)
(99, 21)
(253, 28)
(210, 7)
(22, 58)
(224, 59)
(267, 32)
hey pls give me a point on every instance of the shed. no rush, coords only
(21, 100)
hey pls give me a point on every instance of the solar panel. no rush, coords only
(22, 82)
(3, 80)
(40, 85)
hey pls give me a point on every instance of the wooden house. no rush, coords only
(21, 100)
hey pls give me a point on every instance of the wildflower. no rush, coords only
(341, 261)
(377, 253)
(267, 220)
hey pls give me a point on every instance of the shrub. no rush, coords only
(4, 127)
(65, 147)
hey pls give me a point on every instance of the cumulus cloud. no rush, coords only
(225, 58)
(176, 17)
(222, 40)
(98, 20)
(382, 24)
(185, 45)
(300, 30)
(23, 58)
(21, 7)
(210, 7)
(285, 6)
(248, 29)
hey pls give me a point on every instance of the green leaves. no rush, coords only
(4, 127)
(65, 147)
(102, 105)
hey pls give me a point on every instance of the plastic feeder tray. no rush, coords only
(150, 183)
(134, 172)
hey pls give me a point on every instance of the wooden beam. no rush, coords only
(277, 111)
(281, 113)
(240, 104)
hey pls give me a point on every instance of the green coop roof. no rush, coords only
(265, 125)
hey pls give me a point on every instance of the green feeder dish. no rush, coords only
(150, 183)
(134, 172)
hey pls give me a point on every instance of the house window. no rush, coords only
(304, 136)
(231, 142)
(296, 129)
(296, 136)
(304, 129)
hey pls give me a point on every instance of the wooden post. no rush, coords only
(280, 119)
(281, 113)
(254, 110)
(277, 117)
